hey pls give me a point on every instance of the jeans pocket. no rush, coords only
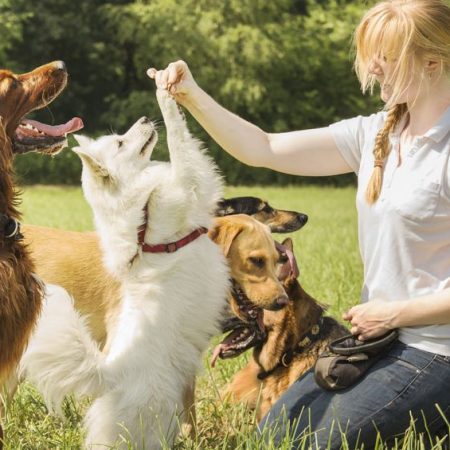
(443, 359)
(405, 363)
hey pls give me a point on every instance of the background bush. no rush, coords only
(284, 65)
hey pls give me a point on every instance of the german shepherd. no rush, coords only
(289, 345)
(278, 220)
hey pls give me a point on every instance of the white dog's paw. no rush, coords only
(167, 103)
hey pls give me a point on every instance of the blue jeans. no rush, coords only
(405, 383)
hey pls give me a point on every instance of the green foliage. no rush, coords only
(10, 28)
(283, 65)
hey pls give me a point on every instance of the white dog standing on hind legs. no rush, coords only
(171, 300)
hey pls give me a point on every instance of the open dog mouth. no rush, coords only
(32, 135)
(149, 143)
(247, 329)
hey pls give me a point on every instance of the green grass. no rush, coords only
(330, 270)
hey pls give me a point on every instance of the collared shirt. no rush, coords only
(404, 237)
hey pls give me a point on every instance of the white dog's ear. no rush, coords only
(83, 141)
(90, 161)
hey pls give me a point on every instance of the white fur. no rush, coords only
(171, 302)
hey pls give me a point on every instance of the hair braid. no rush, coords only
(381, 151)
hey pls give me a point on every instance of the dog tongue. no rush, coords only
(216, 353)
(71, 126)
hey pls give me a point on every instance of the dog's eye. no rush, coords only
(119, 143)
(258, 262)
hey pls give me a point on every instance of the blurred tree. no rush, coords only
(10, 29)
(283, 64)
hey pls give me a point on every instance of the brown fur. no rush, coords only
(73, 260)
(285, 329)
(20, 292)
(252, 257)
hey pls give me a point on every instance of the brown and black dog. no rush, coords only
(278, 220)
(20, 291)
(289, 345)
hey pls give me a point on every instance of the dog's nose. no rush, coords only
(303, 218)
(282, 301)
(60, 65)
(145, 120)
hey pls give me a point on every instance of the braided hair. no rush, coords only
(381, 150)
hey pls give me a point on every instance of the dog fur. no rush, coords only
(20, 291)
(268, 375)
(278, 220)
(169, 304)
(73, 260)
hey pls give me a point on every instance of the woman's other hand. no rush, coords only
(372, 319)
(176, 78)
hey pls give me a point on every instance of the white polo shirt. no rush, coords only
(404, 237)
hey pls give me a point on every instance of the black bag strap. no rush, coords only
(349, 345)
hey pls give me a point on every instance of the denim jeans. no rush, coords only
(405, 383)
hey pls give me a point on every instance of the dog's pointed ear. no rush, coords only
(224, 233)
(288, 244)
(89, 160)
(83, 141)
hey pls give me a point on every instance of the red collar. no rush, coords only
(169, 247)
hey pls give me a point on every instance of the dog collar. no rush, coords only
(305, 342)
(170, 247)
(10, 227)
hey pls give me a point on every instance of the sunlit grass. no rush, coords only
(330, 270)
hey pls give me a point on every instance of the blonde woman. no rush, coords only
(401, 157)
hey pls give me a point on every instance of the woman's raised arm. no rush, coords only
(307, 152)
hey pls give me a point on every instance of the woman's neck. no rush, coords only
(429, 107)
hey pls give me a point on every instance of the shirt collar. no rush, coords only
(438, 131)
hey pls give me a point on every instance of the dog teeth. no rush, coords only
(28, 126)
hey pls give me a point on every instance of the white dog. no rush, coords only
(171, 300)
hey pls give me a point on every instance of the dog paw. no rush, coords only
(170, 110)
(165, 100)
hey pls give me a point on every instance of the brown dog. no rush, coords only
(295, 336)
(20, 292)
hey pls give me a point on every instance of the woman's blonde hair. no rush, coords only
(406, 33)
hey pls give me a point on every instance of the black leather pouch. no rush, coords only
(347, 359)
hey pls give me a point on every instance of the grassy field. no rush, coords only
(331, 271)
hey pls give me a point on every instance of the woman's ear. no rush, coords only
(431, 67)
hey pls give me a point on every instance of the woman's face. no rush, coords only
(383, 70)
